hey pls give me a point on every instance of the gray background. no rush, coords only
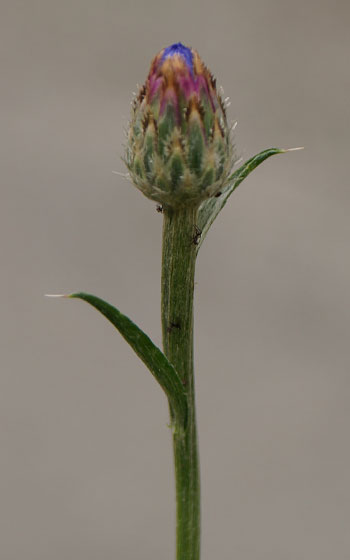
(86, 462)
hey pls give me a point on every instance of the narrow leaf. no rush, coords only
(152, 357)
(209, 210)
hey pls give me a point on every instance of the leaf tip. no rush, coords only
(284, 150)
(58, 295)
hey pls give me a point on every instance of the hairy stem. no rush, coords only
(178, 267)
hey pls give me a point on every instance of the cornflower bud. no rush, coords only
(179, 150)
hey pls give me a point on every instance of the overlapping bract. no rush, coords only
(179, 148)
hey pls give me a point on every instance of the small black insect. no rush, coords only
(173, 326)
(218, 194)
(197, 235)
(159, 208)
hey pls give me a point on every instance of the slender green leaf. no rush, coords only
(152, 357)
(209, 209)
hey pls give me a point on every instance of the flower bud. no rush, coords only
(179, 149)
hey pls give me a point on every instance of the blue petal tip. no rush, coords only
(179, 49)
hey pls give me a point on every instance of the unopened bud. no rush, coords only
(179, 150)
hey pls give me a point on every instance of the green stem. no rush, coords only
(178, 267)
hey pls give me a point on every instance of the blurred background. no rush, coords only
(86, 461)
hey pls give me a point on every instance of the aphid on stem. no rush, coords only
(197, 235)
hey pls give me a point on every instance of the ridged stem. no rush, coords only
(178, 268)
